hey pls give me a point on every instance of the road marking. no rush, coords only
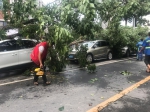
(112, 61)
(117, 96)
(15, 82)
(97, 64)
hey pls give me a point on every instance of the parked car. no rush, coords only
(127, 51)
(98, 49)
(15, 54)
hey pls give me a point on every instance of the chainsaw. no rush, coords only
(39, 71)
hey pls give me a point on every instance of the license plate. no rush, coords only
(70, 56)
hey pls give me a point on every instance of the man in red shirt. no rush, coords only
(38, 57)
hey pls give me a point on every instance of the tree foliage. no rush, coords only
(117, 35)
(125, 36)
(2, 34)
(68, 20)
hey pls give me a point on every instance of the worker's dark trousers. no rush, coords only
(147, 59)
(36, 76)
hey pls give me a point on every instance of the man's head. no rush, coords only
(141, 39)
(50, 44)
(46, 44)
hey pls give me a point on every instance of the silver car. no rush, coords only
(98, 49)
(127, 51)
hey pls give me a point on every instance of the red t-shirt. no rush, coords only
(35, 52)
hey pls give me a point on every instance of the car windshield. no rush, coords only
(74, 47)
(89, 44)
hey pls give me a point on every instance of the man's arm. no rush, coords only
(141, 49)
(40, 60)
(41, 49)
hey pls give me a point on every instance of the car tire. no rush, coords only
(89, 58)
(109, 56)
(127, 53)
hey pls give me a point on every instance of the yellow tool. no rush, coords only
(39, 71)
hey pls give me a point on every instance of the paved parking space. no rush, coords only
(76, 90)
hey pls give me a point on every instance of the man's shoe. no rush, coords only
(36, 83)
(47, 83)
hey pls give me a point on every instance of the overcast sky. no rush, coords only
(47, 1)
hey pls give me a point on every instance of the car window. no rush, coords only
(20, 44)
(88, 44)
(28, 43)
(23, 44)
(103, 43)
(97, 44)
(8, 46)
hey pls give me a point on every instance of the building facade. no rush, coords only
(2, 22)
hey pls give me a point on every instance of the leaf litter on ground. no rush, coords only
(93, 80)
(125, 73)
(61, 108)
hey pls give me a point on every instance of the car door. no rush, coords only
(25, 50)
(100, 49)
(8, 54)
(96, 49)
(104, 49)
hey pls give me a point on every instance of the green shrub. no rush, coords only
(123, 36)
(81, 55)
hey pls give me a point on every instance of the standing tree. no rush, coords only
(35, 22)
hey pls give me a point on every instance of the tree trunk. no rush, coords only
(125, 22)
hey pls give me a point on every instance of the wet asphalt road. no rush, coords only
(76, 90)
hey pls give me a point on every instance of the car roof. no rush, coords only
(94, 41)
(17, 39)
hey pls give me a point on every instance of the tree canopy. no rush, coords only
(68, 20)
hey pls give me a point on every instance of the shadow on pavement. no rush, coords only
(10, 74)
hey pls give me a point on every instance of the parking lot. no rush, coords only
(76, 90)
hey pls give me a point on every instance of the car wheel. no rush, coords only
(89, 58)
(109, 56)
(127, 53)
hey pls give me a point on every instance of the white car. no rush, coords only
(15, 54)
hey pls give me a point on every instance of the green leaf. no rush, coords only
(42, 23)
(68, 7)
(84, 1)
(92, 5)
(61, 108)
